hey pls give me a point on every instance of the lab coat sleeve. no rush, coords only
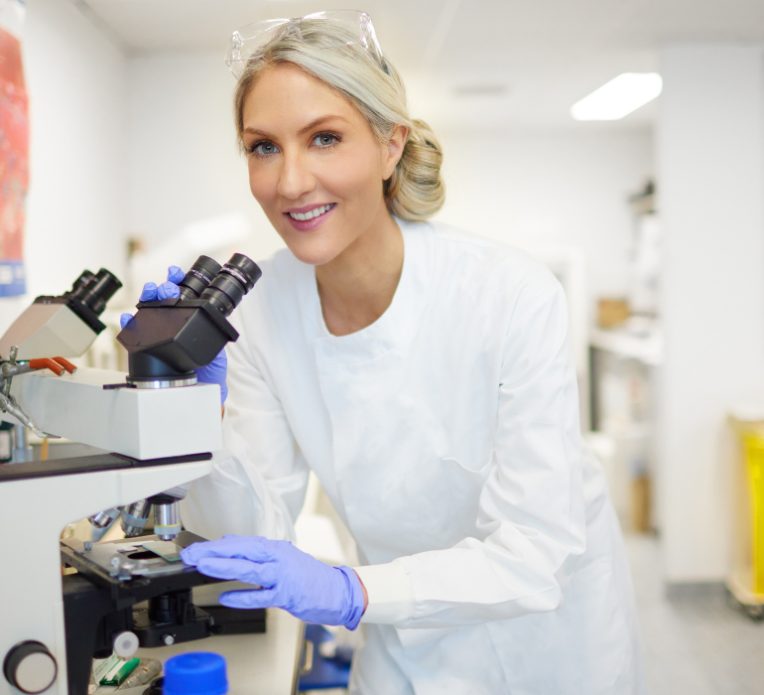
(258, 483)
(531, 510)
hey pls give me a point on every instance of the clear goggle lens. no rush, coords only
(250, 40)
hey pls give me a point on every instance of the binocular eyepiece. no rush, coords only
(221, 287)
(167, 340)
(94, 289)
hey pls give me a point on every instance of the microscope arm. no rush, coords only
(11, 368)
(140, 423)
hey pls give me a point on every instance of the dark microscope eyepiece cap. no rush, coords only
(245, 268)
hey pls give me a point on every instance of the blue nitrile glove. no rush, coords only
(212, 373)
(290, 579)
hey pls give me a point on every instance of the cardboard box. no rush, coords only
(612, 311)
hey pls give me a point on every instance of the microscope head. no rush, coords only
(169, 339)
(65, 325)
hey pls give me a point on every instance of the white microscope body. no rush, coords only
(160, 429)
(37, 500)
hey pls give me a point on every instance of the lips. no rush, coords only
(305, 214)
(309, 217)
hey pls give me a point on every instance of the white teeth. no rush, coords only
(315, 212)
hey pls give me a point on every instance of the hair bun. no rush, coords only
(416, 190)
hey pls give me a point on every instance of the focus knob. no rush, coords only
(30, 667)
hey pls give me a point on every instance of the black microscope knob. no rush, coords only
(30, 667)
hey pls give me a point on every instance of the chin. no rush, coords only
(312, 254)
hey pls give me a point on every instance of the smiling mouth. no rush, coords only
(311, 214)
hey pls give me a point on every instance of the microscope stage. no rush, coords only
(128, 558)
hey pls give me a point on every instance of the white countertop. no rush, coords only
(264, 664)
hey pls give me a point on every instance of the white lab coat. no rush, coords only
(447, 436)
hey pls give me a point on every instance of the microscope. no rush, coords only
(161, 430)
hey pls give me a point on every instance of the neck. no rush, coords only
(357, 287)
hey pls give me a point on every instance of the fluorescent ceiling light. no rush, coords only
(619, 97)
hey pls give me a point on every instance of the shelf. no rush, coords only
(645, 346)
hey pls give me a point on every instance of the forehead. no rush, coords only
(285, 95)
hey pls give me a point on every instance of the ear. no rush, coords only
(393, 150)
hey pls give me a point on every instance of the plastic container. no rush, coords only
(753, 447)
(746, 582)
(195, 673)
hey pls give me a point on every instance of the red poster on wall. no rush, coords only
(14, 149)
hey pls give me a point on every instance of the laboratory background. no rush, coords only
(646, 200)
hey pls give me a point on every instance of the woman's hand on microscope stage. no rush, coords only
(287, 578)
(212, 373)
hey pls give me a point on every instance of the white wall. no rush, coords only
(184, 164)
(550, 189)
(710, 145)
(78, 151)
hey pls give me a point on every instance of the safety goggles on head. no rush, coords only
(251, 39)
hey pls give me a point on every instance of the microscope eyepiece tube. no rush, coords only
(95, 290)
(85, 278)
(198, 277)
(237, 277)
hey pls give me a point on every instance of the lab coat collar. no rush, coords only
(396, 328)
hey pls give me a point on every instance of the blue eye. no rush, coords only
(264, 148)
(326, 139)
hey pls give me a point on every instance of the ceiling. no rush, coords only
(492, 62)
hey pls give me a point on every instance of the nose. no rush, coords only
(295, 178)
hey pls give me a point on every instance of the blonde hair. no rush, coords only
(328, 51)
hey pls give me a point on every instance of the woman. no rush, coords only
(425, 376)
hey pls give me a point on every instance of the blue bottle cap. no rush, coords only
(195, 673)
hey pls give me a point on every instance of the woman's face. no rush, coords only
(315, 166)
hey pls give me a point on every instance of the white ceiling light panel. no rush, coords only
(618, 97)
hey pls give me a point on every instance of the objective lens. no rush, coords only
(135, 517)
(96, 290)
(104, 518)
(198, 277)
(166, 521)
(235, 279)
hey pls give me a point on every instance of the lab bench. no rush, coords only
(260, 664)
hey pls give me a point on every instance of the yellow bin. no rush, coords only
(747, 579)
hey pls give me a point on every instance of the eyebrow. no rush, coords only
(309, 126)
